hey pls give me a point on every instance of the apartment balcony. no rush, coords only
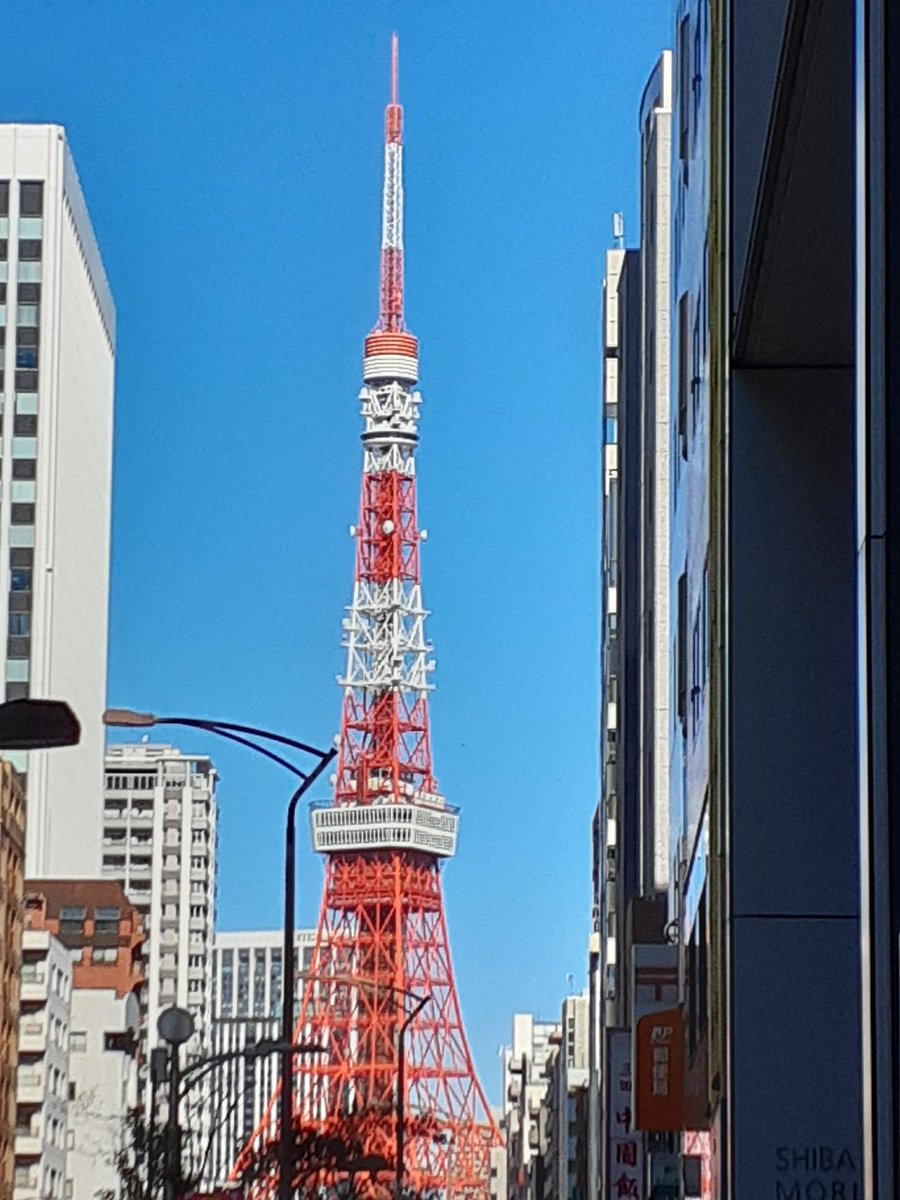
(141, 818)
(32, 1036)
(26, 1188)
(30, 1087)
(34, 988)
(171, 867)
(28, 1144)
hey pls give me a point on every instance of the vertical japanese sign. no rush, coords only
(625, 1159)
(659, 1075)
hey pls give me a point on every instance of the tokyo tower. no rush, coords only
(379, 997)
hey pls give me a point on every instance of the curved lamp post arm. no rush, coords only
(128, 718)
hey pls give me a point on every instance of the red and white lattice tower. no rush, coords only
(382, 938)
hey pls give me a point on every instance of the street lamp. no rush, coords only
(175, 1026)
(37, 725)
(244, 735)
(420, 1002)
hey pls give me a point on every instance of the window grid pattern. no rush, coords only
(22, 311)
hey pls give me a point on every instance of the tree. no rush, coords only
(140, 1145)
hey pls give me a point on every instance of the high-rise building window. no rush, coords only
(681, 662)
(259, 984)
(27, 339)
(19, 624)
(685, 73)
(243, 983)
(30, 249)
(275, 983)
(4, 198)
(227, 982)
(31, 199)
(684, 372)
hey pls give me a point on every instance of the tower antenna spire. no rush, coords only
(395, 66)
(390, 317)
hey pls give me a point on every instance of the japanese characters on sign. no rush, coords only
(625, 1158)
(659, 1099)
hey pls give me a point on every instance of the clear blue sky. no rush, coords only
(230, 154)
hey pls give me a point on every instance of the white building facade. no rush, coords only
(159, 841)
(526, 1074)
(565, 1127)
(57, 355)
(248, 971)
(104, 1076)
(42, 1084)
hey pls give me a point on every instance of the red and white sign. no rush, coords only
(625, 1160)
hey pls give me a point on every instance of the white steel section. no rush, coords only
(384, 634)
(391, 366)
(391, 413)
(392, 205)
(386, 457)
(412, 826)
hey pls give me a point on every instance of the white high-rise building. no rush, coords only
(57, 355)
(159, 841)
(248, 970)
(526, 1074)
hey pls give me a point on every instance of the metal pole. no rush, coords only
(159, 1067)
(151, 1138)
(173, 1130)
(401, 1109)
(286, 1162)
(401, 1094)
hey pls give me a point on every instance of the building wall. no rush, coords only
(104, 1076)
(12, 861)
(526, 1074)
(565, 1135)
(55, 507)
(878, 514)
(247, 993)
(103, 937)
(655, 126)
(691, 584)
(632, 829)
(159, 842)
(42, 1078)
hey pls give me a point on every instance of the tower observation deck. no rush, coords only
(382, 947)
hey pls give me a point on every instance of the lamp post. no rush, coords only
(175, 1026)
(244, 735)
(37, 725)
(421, 1001)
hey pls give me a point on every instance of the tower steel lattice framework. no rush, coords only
(382, 938)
